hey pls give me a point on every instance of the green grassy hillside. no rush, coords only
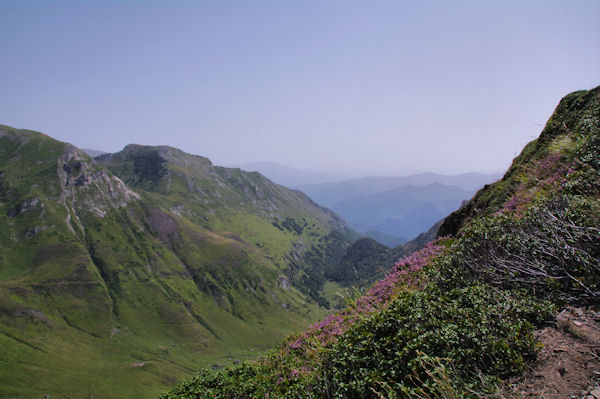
(121, 287)
(455, 318)
(282, 225)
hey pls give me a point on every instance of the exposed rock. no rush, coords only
(163, 225)
(24, 206)
(90, 187)
(284, 282)
(35, 230)
(34, 314)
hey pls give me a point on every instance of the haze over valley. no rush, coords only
(391, 210)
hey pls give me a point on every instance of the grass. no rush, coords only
(93, 301)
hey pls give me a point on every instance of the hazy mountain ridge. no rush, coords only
(404, 211)
(329, 194)
(372, 205)
(385, 239)
(144, 276)
(396, 209)
(93, 153)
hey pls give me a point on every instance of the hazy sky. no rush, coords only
(371, 87)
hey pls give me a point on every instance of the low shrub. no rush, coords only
(553, 250)
(484, 330)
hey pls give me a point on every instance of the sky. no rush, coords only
(360, 87)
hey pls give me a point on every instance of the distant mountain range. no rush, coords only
(402, 212)
(393, 210)
(328, 194)
(93, 153)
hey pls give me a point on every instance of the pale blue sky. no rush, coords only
(370, 87)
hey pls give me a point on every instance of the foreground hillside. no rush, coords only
(457, 317)
(119, 278)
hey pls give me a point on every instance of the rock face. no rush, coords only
(150, 254)
(284, 283)
(24, 206)
(90, 187)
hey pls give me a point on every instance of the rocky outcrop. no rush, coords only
(89, 187)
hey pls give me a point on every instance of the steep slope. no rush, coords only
(459, 315)
(359, 263)
(366, 261)
(562, 146)
(285, 226)
(112, 290)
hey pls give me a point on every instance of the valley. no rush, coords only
(128, 273)
(125, 274)
(299, 199)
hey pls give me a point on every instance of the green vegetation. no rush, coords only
(110, 292)
(456, 317)
(360, 263)
(383, 346)
(122, 277)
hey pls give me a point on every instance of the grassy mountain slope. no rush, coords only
(121, 289)
(284, 226)
(456, 317)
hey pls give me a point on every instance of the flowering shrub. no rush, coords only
(547, 178)
(405, 275)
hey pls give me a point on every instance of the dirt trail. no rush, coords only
(568, 365)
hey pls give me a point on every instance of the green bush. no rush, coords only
(479, 328)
